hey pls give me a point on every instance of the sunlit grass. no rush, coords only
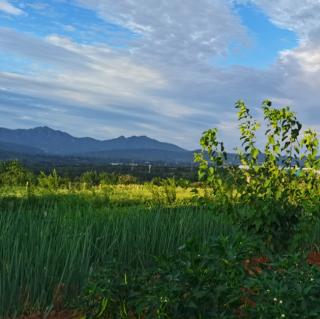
(125, 194)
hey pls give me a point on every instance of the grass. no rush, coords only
(53, 242)
(125, 195)
(56, 241)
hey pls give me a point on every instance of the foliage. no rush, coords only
(90, 178)
(126, 179)
(271, 191)
(216, 154)
(170, 191)
(219, 280)
(289, 289)
(108, 178)
(195, 282)
(14, 174)
(51, 181)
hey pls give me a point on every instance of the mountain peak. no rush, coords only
(46, 130)
(55, 142)
(42, 128)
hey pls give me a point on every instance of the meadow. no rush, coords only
(76, 249)
(240, 243)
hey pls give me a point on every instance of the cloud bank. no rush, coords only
(163, 82)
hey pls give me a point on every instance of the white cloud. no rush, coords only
(306, 57)
(8, 8)
(175, 31)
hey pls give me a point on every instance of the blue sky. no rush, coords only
(167, 69)
(83, 25)
(64, 18)
(266, 40)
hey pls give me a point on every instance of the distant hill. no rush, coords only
(144, 155)
(19, 149)
(46, 141)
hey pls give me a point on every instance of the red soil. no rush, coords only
(314, 258)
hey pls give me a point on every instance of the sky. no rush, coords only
(168, 69)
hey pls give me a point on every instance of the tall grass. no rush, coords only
(50, 245)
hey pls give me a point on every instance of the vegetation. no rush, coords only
(275, 195)
(59, 241)
(241, 243)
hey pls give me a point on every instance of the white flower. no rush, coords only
(280, 301)
(275, 299)
(283, 315)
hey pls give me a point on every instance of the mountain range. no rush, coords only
(44, 141)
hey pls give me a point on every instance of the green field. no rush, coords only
(240, 243)
(88, 241)
(62, 239)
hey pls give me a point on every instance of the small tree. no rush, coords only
(14, 174)
(268, 189)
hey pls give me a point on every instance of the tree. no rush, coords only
(14, 174)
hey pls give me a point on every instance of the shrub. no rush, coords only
(268, 193)
(51, 181)
(217, 281)
(14, 174)
(127, 179)
(196, 282)
(90, 178)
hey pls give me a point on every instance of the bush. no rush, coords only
(196, 282)
(127, 179)
(221, 280)
(108, 178)
(90, 178)
(270, 191)
(289, 289)
(14, 174)
(51, 181)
